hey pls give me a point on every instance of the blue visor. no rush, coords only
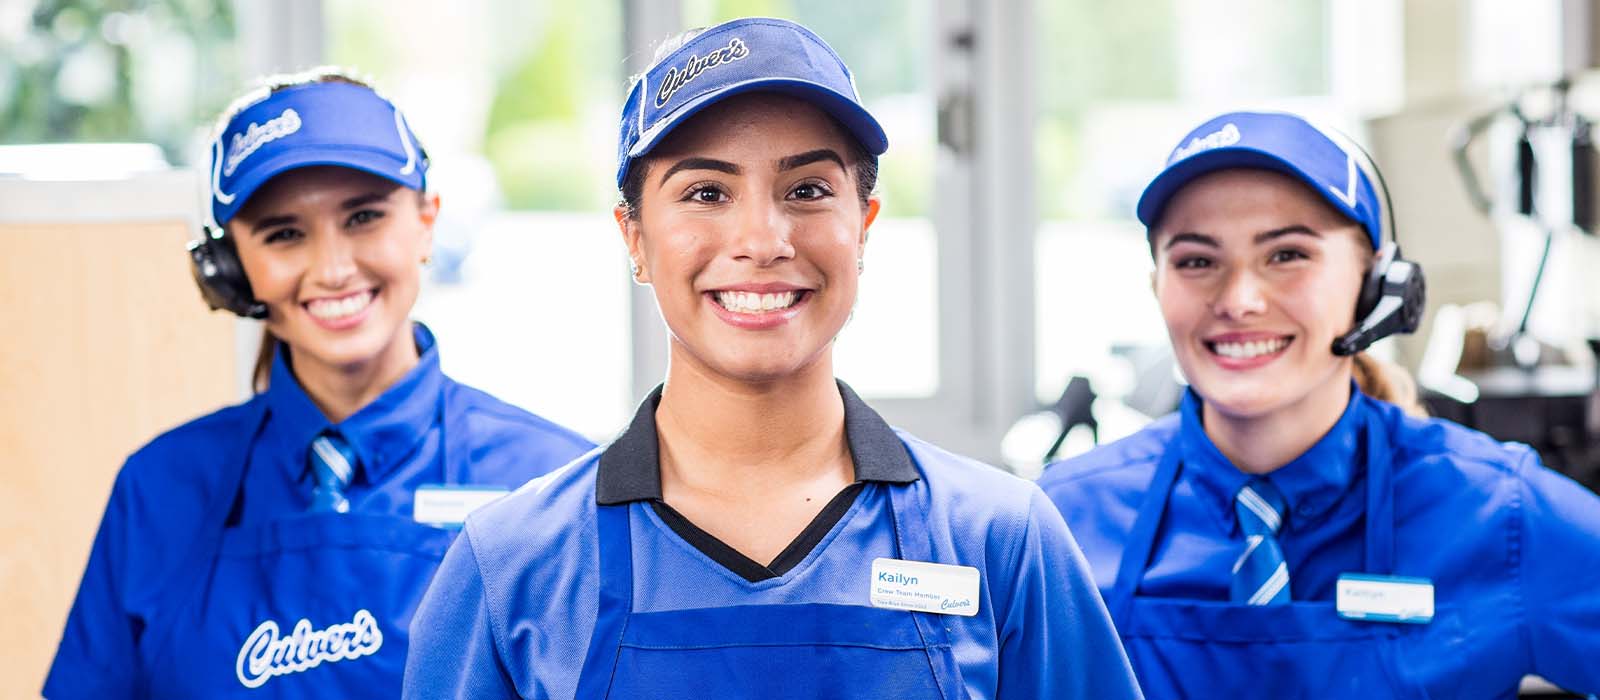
(1276, 141)
(735, 57)
(323, 123)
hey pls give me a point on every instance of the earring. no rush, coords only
(633, 269)
(427, 259)
(861, 265)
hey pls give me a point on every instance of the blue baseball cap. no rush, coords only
(1325, 160)
(744, 55)
(318, 123)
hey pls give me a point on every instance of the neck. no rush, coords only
(339, 391)
(736, 439)
(1264, 443)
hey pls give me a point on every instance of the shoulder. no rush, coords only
(1440, 449)
(508, 444)
(1122, 465)
(186, 456)
(968, 484)
(547, 523)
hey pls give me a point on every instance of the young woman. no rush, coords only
(1287, 534)
(758, 531)
(281, 546)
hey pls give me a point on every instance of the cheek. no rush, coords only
(272, 274)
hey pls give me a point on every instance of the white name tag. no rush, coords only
(448, 506)
(924, 587)
(1384, 598)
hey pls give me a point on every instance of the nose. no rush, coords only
(333, 262)
(1239, 296)
(764, 234)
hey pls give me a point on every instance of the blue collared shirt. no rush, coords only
(165, 491)
(1511, 547)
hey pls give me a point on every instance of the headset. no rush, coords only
(220, 275)
(1394, 294)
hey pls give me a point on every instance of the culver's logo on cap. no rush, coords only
(1226, 136)
(676, 78)
(265, 654)
(256, 135)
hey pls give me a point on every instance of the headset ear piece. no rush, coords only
(217, 272)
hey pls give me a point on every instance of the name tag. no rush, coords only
(448, 506)
(924, 587)
(1384, 598)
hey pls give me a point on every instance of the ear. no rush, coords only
(874, 205)
(632, 238)
(428, 212)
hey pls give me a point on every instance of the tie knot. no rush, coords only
(1260, 507)
(333, 460)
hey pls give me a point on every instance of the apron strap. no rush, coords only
(616, 600)
(1142, 538)
(452, 420)
(914, 540)
(1379, 552)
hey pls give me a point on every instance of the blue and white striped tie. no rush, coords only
(333, 462)
(1260, 576)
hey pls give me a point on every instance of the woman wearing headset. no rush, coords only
(758, 531)
(281, 546)
(1287, 534)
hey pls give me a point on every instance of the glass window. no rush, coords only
(152, 71)
(888, 48)
(517, 104)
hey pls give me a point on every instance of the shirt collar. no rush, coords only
(382, 433)
(630, 467)
(1311, 483)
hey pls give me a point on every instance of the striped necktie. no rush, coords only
(1260, 576)
(333, 462)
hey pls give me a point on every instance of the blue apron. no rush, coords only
(1203, 648)
(798, 651)
(306, 605)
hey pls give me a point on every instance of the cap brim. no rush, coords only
(1153, 202)
(852, 115)
(380, 164)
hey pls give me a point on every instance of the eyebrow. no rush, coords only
(809, 157)
(1263, 237)
(355, 202)
(720, 166)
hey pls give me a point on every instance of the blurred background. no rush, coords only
(1005, 311)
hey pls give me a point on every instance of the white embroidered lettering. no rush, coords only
(676, 78)
(265, 654)
(257, 135)
(1226, 136)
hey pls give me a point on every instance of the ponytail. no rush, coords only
(261, 376)
(1388, 382)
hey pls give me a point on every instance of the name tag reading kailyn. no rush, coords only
(448, 506)
(1384, 598)
(924, 587)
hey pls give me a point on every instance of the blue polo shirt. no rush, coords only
(1512, 548)
(512, 608)
(163, 493)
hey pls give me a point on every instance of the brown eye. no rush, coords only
(706, 194)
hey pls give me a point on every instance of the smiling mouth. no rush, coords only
(753, 303)
(1251, 349)
(342, 307)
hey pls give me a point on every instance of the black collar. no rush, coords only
(630, 468)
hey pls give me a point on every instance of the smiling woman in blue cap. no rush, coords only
(1289, 533)
(758, 531)
(279, 547)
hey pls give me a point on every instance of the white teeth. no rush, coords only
(333, 309)
(1254, 348)
(752, 303)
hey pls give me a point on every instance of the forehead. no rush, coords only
(1246, 201)
(338, 183)
(757, 125)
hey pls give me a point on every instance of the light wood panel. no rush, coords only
(104, 343)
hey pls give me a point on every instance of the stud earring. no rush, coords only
(427, 259)
(633, 269)
(861, 265)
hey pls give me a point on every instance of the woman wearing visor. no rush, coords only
(279, 547)
(758, 531)
(1290, 533)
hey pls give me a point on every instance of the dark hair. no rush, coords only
(261, 375)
